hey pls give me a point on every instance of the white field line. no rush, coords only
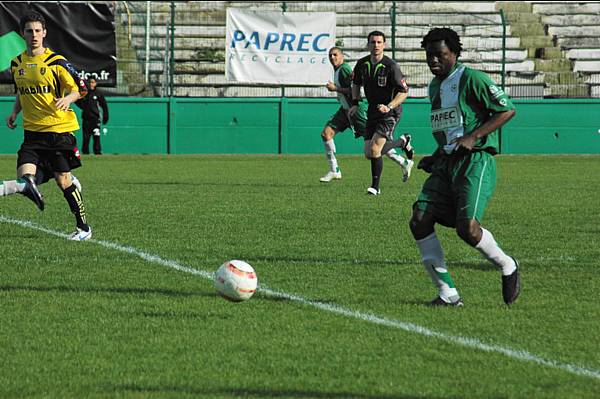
(336, 309)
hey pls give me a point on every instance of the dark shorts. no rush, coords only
(90, 125)
(383, 126)
(56, 152)
(339, 121)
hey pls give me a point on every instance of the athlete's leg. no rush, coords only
(476, 184)
(96, 140)
(404, 163)
(422, 227)
(327, 136)
(87, 134)
(26, 169)
(374, 154)
(9, 187)
(74, 199)
(481, 239)
(26, 184)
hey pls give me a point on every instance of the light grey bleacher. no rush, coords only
(200, 40)
(575, 28)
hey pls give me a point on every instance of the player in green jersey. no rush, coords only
(467, 109)
(341, 120)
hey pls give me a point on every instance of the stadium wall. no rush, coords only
(292, 126)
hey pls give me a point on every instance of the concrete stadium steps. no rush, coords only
(409, 68)
(372, 6)
(412, 31)
(583, 54)
(254, 91)
(200, 41)
(324, 6)
(575, 28)
(494, 56)
(371, 20)
(563, 38)
(415, 76)
(574, 31)
(158, 43)
(587, 66)
(479, 55)
(578, 42)
(565, 7)
(593, 78)
(577, 20)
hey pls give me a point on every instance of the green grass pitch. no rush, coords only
(341, 310)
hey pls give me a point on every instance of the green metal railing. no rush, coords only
(178, 48)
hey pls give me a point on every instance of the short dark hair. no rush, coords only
(450, 38)
(375, 33)
(32, 16)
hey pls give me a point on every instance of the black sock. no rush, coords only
(75, 201)
(376, 169)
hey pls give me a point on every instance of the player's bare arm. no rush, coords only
(396, 102)
(332, 87)
(65, 102)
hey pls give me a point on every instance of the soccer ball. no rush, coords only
(236, 281)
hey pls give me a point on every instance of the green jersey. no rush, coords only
(342, 77)
(462, 102)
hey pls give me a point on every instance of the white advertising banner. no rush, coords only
(279, 48)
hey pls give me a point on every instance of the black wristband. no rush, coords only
(354, 102)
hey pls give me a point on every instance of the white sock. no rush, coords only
(394, 156)
(491, 251)
(392, 144)
(76, 182)
(433, 260)
(9, 187)
(330, 154)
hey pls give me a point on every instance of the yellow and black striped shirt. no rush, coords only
(39, 80)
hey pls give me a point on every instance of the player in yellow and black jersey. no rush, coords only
(46, 85)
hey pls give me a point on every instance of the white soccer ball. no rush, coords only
(236, 281)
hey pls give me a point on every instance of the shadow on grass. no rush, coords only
(330, 302)
(333, 261)
(475, 265)
(221, 183)
(266, 393)
(110, 290)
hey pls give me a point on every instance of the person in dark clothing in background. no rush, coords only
(91, 117)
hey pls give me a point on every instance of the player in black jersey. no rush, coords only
(386, 89)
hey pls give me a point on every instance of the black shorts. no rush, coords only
(383, 126)
(55, 151)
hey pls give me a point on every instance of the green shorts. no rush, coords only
(339, 121)
(459, 187)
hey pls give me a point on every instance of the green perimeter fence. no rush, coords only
(293, 125)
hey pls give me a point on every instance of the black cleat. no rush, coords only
(440, 302)
(31, 191)
(511, 285)
(407, 148)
